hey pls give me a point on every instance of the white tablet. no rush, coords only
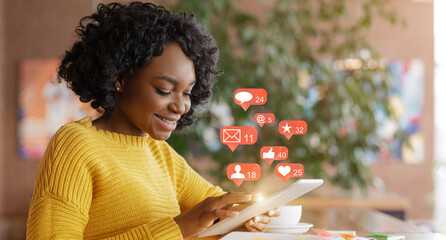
(282, 197)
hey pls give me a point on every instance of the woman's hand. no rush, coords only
(258, 223)
(203, 215)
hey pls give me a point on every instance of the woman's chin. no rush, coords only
(160, 136)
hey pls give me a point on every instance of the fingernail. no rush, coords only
(256, 219)
(251, 223)
(271, 213)
(233, 213)
(248, 196)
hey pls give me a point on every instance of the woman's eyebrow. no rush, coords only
(173, 80)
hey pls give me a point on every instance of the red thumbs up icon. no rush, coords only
(271, 153)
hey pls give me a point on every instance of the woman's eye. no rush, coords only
(161, 92)
(187, 94)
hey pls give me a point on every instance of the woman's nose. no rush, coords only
(178, 105)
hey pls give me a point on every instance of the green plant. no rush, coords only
(290, 52)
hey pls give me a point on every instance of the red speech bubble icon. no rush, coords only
(246, 97)
(269, 153)
(290, 128)
(238, 135)
(264, 118)
(287, 170)
(239, 172)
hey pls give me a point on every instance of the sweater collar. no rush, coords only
(129, 140)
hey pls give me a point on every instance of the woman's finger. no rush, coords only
(274, 212)
(261, 227)
(229, 206)
(253, 226)
(208, 218)
(249, 226)
(261, 219)
(242, 205)
(222, 213)
(230, 198)
(256, 196)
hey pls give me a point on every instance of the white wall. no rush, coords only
(440, 115)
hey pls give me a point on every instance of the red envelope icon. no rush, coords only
(232, 135)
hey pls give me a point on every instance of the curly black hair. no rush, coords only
(119, 39)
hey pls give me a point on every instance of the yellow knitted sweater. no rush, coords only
(96, 184)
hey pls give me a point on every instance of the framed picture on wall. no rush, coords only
(44, 106)
(407, 101)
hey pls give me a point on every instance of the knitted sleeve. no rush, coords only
(190, 186)
(62, 192)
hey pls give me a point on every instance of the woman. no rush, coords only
(146, 70)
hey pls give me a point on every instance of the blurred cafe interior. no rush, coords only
(367, 77)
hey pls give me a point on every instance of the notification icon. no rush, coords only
(294, 127)
(238, 135)
(288, 170)
(239, 172)
(264, 118)
(246, 97)
(269, 153)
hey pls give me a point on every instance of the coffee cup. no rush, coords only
(289, 216)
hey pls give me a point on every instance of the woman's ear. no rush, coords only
(119, 84)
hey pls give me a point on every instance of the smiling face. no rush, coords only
(154, 98)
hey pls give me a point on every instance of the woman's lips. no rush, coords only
(165, 125)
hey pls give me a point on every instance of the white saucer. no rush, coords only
(299, 228)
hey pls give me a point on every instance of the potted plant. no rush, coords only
(314, 60)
